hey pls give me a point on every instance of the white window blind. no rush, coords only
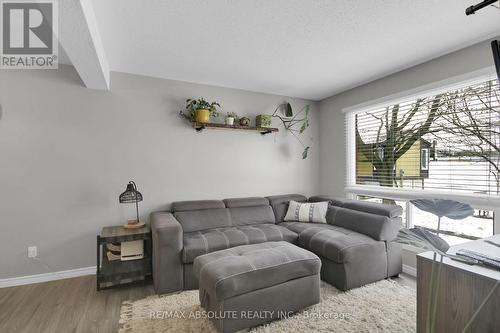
(447, 142)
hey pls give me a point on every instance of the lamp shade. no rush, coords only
(131, 195)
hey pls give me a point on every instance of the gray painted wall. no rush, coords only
(67, 152)
(333, 145)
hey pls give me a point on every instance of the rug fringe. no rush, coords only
(126, 313)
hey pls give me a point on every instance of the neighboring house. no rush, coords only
(410, 170)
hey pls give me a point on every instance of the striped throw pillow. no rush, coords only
(307, 211)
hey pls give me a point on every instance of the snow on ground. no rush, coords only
(472, 225)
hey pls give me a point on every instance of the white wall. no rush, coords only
(333, 145)
(67, 152)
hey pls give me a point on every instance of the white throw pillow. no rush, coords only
(307, 211)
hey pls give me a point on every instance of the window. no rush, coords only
(460, 128)
(424, 159)
(444, 144)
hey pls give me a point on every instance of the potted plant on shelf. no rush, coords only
(231, 118)
(263, 120)
(199, 110)
(244, 121)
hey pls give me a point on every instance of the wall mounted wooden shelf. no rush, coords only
(262, 130)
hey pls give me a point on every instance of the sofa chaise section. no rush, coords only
(355, 247)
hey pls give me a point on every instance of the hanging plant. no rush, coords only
(296, 124)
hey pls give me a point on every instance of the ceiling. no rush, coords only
(299, 48)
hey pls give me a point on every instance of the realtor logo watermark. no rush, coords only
(28, 34)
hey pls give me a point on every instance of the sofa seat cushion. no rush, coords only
(298, 227)
(206, 241)
(338, 244)
(239, 270)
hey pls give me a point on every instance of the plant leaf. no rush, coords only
(422, 238)
(303, 127)
(288, 109)
(304, 153)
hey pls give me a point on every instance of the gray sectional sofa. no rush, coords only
(356, 245)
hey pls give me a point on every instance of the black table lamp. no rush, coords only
(131, 195)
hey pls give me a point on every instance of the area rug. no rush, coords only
(384, 306)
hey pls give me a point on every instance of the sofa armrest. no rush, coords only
(168, 272)
(376, 226)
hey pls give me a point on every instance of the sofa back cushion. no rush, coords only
(335, 201)
(201, 214)
(245, 202)
(363, 206)
(251, 215)
(209, 214)
(248, 211)
(376, 226)
(279, 204)
(375, 208)
(181, 206)
(195, 220)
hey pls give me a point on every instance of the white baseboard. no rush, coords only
(410, 270)
(38, 278)
(45, 277)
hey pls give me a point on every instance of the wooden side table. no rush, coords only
(116, 273)
(463, 288)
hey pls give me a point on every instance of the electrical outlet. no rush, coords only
(32, 252)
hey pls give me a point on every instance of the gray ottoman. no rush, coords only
(248, 285)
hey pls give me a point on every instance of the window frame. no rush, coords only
(424, 158)
(352, 189)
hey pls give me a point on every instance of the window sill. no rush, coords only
(477, 200)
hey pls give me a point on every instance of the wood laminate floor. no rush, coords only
(74, 305)
(70, 305)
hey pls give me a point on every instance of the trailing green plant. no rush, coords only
(192, 105)
(296, 124)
